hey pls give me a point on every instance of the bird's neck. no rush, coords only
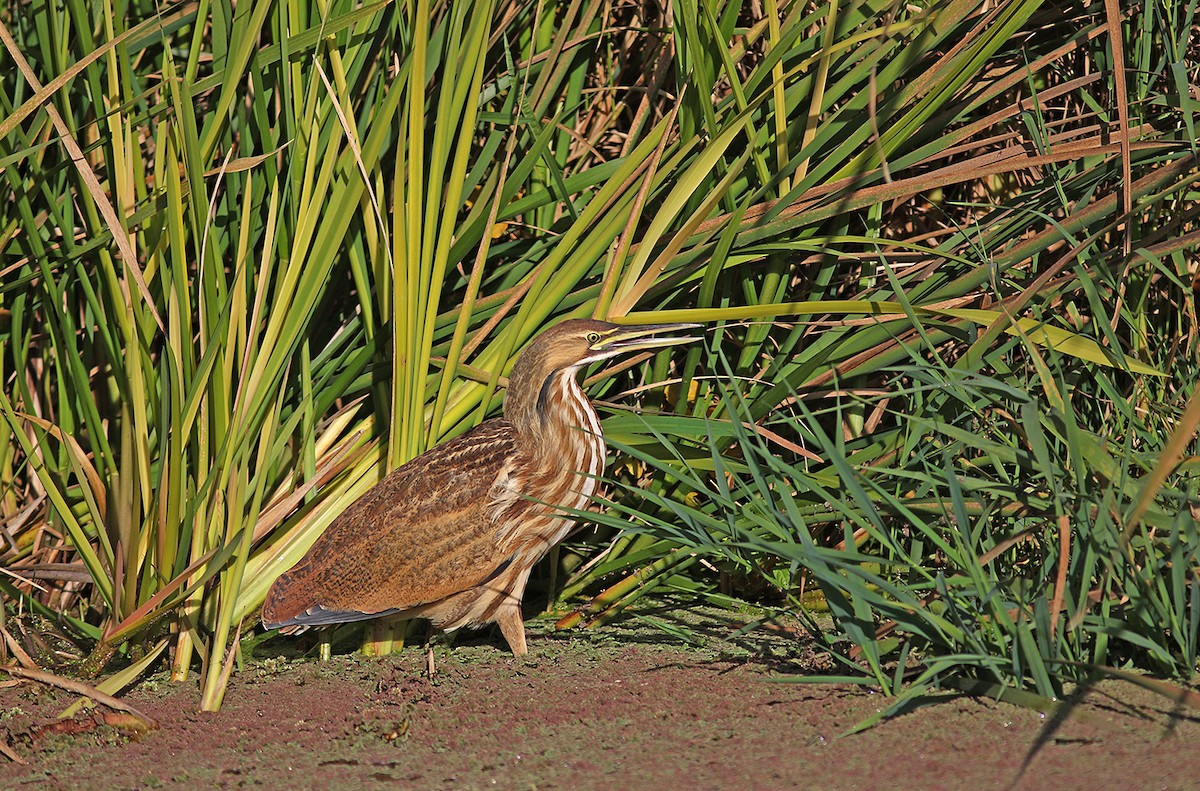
(551, 409)
(561, 431)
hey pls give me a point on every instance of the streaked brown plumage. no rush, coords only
(452, 535)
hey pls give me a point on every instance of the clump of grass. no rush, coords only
(982, 538)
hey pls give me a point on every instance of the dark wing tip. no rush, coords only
(318, 615)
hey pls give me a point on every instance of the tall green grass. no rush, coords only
(982, 538)
(254, 255)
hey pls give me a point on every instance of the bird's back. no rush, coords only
(423, 533)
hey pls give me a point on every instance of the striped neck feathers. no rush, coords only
(551, 408)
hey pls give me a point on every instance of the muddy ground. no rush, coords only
(626, 708)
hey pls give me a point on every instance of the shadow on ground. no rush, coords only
(657, 701)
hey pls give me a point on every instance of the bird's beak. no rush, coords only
(641, 336)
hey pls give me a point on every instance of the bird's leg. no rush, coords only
(325, 643)
(430, 670)
(512, 626)
(555, 559)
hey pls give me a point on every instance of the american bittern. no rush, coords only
(451, 536)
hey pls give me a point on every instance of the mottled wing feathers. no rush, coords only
(423, 533)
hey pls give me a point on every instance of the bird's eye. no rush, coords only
(592, 337)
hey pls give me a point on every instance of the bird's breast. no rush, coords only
(557, 470)
(584, 440)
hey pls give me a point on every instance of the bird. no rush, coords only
(452, 535)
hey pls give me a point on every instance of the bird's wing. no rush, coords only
(424, 532)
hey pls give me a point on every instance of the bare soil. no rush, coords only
(623, 708)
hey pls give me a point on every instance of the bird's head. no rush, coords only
(568, 346)
(578, 342)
